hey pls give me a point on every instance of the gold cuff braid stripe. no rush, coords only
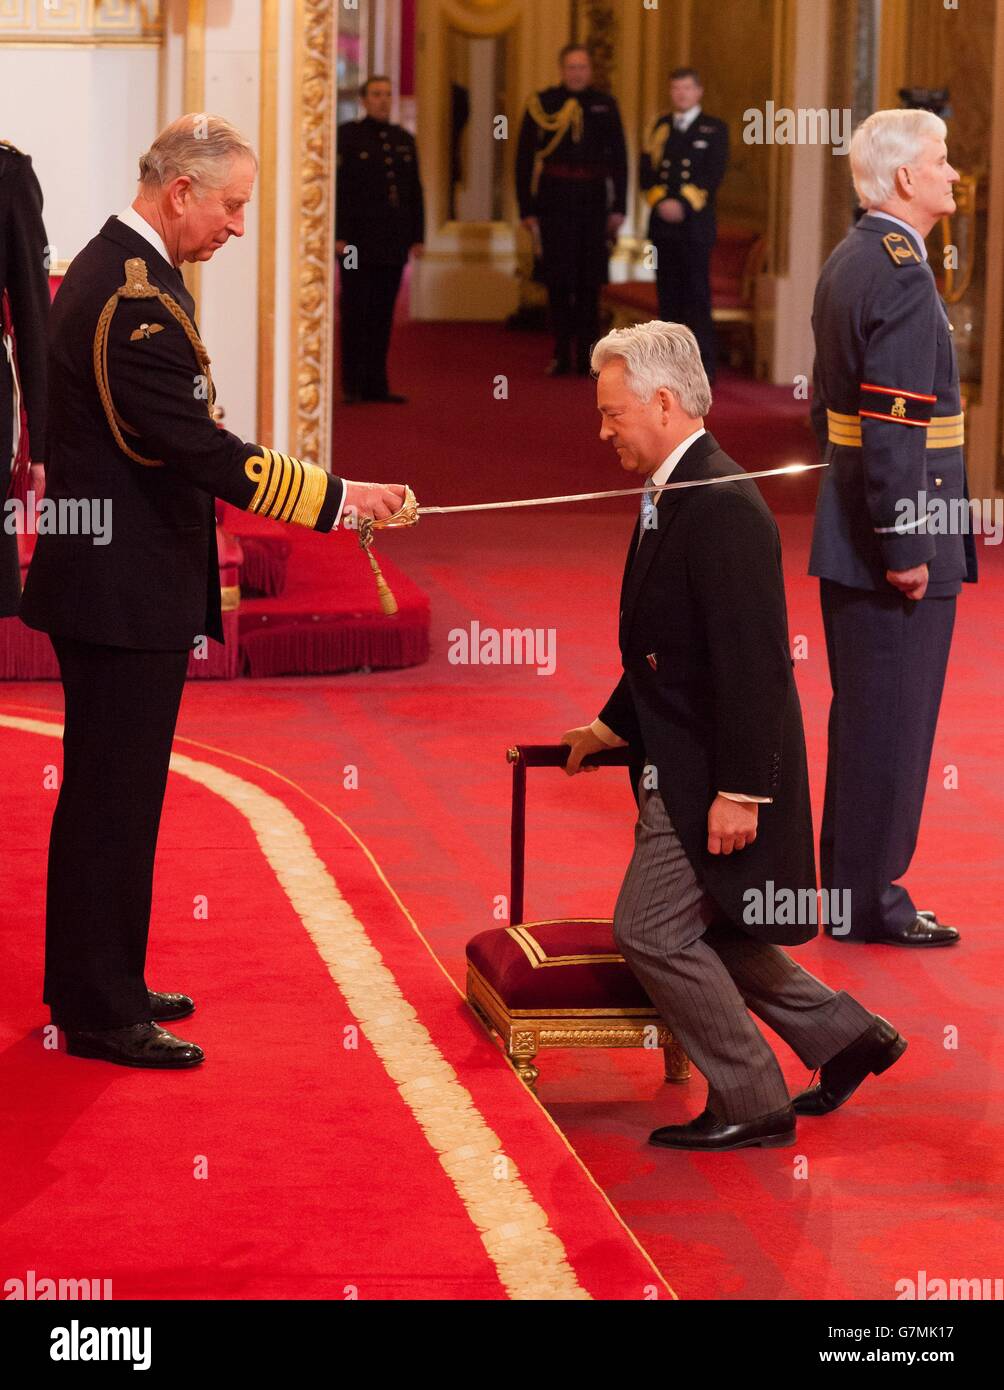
(287, 489)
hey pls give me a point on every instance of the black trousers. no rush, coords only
(366, 308)
(888, 657)
(574, 254)
(683, 284)
(121, 711)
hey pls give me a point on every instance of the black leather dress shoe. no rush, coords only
(709, 1134)
(165, 1008)
(871, 1054)
(922, 931)
(139, 1045)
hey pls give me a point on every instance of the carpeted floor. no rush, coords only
(904, 1178)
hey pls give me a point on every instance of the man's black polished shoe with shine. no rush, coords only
(139, 1045)
(871, 1054)
(167, 1008)
(709, 1134)
(923, 931)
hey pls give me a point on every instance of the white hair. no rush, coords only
(884, 143)
(196, 146)
(659, 354)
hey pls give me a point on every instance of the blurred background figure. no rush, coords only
(379, 221)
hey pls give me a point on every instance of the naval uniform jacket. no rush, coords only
(379, 207)
(156, 585)
(23, 248)
(707, 696)
(887, 413)
(687, 165)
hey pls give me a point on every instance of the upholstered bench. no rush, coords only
(559, 982)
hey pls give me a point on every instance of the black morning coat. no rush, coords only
(156, 586)
(708, 694)
(24, 275)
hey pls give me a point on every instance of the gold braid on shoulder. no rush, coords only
(137, 286)
(568, 117)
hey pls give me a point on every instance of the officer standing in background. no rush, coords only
(571, 182)
(24, 282)
(680, 170)
(888, 415)
(379, 221)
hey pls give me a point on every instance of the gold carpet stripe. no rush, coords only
(530, 1259)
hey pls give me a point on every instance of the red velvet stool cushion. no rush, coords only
(568, 964)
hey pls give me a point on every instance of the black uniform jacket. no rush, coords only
(687, 165)
(708, 696)
(156, 585)
(379, 207)
(600, 153)
(23, 274)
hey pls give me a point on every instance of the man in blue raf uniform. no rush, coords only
(24, 280)
(130, 424)
(379, 222)
(681, 167)
(571, 182)
(887, 412)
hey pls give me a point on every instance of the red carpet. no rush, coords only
(904, 1178)
(291, 1163)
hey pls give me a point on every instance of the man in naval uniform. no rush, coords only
(888, 415)
(24, 281)
(680, 169)
(379, 222)
(130, 426)
(571, 183)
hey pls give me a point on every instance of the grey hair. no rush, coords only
(884, 143)
(659, 354)
(196, 146)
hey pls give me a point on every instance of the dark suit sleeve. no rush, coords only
(526, 150)
(28, 289)
(618, 714)
(617, 154)
(157, 390)
(900, 354)
(734, 562)
(817, 412)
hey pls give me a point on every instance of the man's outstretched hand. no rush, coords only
(373, 501)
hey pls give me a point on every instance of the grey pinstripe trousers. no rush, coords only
(703, 974)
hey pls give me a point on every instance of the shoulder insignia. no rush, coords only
(145, 330)
(900, 248)
(137, 284)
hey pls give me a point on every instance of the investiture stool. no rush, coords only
(708, 709)
(888, 415)
(131, 424)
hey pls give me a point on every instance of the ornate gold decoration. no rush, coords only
(596, 27)
(84, 22)
(312, 235)
(525, 1031)
(137, 286)
(899, 407)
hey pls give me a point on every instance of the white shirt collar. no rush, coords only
(687, 117)
(661, 474)
(900, 223)
(139, 224)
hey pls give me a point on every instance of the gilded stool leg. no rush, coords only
(677, 1062)
(522, 1048)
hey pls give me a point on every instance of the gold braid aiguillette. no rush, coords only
(406, 515)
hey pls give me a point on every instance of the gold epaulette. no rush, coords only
(137, 286)
(900, 248)
(567, 118)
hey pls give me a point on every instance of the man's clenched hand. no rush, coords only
(731, 825)
(376, 501)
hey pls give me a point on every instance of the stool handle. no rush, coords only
(522, 756)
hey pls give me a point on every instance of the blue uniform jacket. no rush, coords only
(887, 413)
